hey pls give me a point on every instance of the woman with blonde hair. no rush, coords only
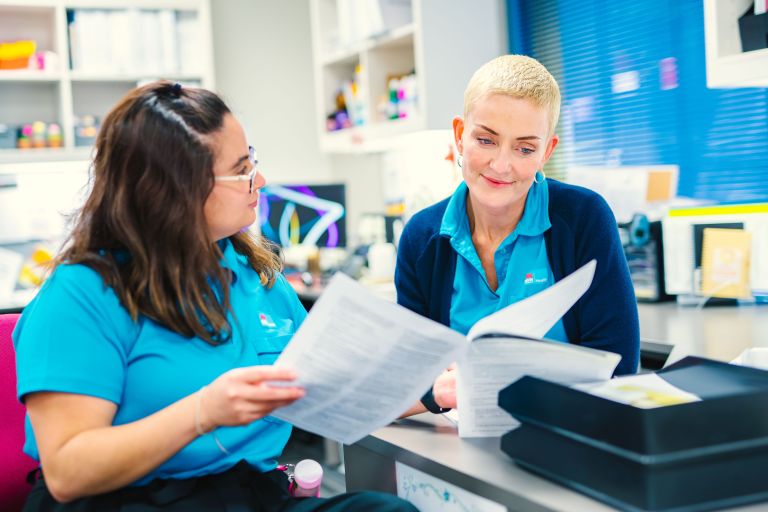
(509, 232)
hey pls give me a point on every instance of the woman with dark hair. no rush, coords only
(145, 358)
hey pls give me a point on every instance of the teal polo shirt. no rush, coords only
(76, 337)
(522, 265)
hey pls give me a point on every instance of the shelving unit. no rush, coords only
(443, 42)
(60, 95)
(727, 65)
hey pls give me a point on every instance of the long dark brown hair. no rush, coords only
(142, 227)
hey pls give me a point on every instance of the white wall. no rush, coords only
(263, 65)
(362, 176)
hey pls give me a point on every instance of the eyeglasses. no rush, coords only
(250, 177)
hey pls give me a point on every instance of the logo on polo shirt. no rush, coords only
(266, 321)
(537, 276)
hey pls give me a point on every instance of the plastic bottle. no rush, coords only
(53, 136)
(307, 476)
(24, 141)
(38, 134)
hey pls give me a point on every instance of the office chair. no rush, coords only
(15, 464)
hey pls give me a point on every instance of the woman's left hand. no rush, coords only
(444, 388)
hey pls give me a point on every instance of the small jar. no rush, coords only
(307, 476)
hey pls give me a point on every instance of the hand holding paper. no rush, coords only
(363, 361)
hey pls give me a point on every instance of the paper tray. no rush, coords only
(697, 456)
(708, 480)
(734, 407)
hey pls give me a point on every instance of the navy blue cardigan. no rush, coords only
(583, 228)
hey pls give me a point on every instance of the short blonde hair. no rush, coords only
(518, 76)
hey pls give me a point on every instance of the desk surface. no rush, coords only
(17, 301)
(717, 332)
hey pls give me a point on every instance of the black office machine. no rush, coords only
(643, 249)
(702, 455)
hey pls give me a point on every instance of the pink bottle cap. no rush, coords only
(308, 474)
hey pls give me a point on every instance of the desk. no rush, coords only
(716, 332)
(431, 444)
(17, 301)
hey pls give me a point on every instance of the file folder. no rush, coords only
(689, 457)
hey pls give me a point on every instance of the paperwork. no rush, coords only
(646, 391)
(505, 346)
(364, 361)
(536, 315)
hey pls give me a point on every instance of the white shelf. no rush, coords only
(63, 95)
(29, 4)
(44, 155)
(727, 65)
(185, 5)
(342, 57)
(398, 37)
(373, 137)
(423, 42)
(27, 75)
(80, 76)
(393, 38)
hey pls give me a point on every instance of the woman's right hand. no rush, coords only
(243, 395)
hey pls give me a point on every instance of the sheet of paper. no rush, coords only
(536, 315)
(646, 391)
(491, 364)
(363, 361)
(756, 357)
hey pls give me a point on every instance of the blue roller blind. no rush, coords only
(633, 80)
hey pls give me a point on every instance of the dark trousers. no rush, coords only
(240, 489)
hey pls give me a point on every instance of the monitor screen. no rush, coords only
(304, 214)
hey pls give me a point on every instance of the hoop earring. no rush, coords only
(459, 161)
(536, 177)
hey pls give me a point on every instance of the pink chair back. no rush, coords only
(14, 464)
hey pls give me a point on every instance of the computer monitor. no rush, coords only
(304, 214)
